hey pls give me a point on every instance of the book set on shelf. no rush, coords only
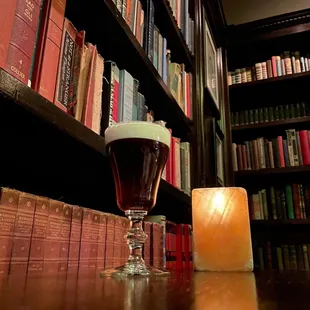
(292, 201)
(269, 114)
(270, 139)
(287, 63)
(39, 236)
(270, 256)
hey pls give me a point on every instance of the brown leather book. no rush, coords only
(52, 242)
(75, 240)
(118, 241)
(39, 232)
(22, 234)
(102, 241)
(65, 238)
(85, 241)
(110, 241)
(94, 242)
(8, 209)
(147, 244)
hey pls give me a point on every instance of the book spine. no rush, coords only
(149, 35)
(22, 234)
(86, 236)
(177, 163)
(95, 219)
(289, 201)
(102, 234)
(52, 243)
(111, 219)
(117, 244)
(305, 146)
(147, 244)
(65, 232)
(75, 240)
(39, 233)
(128, 97)
(281, 152)
(45, 77)
(8, 211)
(65, 66)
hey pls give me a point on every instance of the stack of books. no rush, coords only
(291, 201)
(285, 64)
(280, 152)
(39, 235)
(268, 256)
(269, 114)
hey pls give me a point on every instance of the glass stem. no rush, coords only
(136, 237)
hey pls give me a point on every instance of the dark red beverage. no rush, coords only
(137, 165)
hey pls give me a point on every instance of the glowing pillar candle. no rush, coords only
(221, 230)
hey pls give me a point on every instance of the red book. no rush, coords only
(52, 242)
(88, 117)
(65, 66)
(48, 50)
(39, 232)
(75, 240)
(156, 246)
(190, 230)
(8, 209)
(186, 229)
(147, 245)
(110, 241)
(168, 244)
(94, 242)
(179, 230)
(281, 152)
(102, 241)
(173, 240)
(22, 234)
(19, 21)
(169, 163)
(296, 201)
(85, 241)
(305, 146)
(65, 232)
(172, 162)
(240, 160)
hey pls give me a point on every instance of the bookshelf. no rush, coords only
(279, 222)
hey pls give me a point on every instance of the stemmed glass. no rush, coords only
(138, 152)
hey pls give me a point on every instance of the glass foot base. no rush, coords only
(136, 270)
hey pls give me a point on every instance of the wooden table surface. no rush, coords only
(233, 291)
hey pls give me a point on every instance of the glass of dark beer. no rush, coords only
(138, 152)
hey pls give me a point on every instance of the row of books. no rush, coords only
(268, 256)
(177, 170)
(269, 114)
(291, 201)
(55, 60)
(286, 63)
(180, 10)
(43, 236)
(277, 153)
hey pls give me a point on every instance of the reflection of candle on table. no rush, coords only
(222, 291)
(221, 230)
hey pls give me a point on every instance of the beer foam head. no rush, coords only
(142, 130)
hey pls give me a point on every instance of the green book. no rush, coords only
(276, 113)
(278, 203)
(264, 201)
(246, 117)
(232, 118)
(283, 204)
(286, 111)
(237, 118)
(271, 114)
(256, 116)
(292, 111)
(289, 202)
(293, 257)
(241, 118)
(286, 257)
(303, 111)
(281, 112)
(251, 117)
(298, 110)
(266, 116)
(280, 258)
(261, 115)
